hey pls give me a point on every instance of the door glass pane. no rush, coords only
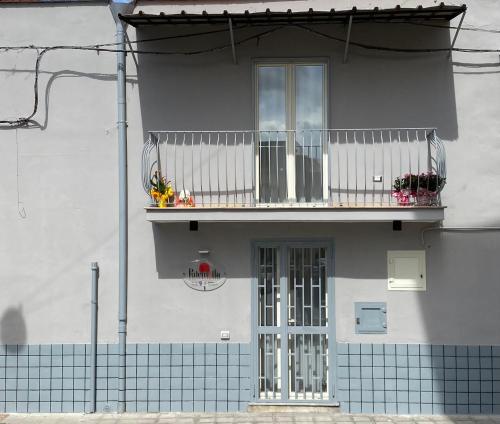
(309, 121)
(268, 287)
(307, 287)
(308, 366)
(272, 137)
(269, 366)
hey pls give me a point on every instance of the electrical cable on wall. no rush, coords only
(470, 28)
(195, 34)
(25, 120)
(395, 49)
(146, 40)
(20, 204)
(474, 29)
(42, 50)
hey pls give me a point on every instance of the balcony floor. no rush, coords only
(296, 213)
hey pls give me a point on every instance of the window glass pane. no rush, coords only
(309, 111)
(272, 138)
(272, 97)
(309, 97)
(272, 167)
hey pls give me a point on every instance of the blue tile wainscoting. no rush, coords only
(160, 377)
(371, 378)
(418, 379)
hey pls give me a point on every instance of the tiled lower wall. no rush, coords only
(418, 379)
(371, 378)
(160, 377)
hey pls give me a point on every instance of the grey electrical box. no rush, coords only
(370, 317)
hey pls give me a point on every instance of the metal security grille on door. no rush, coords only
(293, 288)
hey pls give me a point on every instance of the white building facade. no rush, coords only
(331, 233)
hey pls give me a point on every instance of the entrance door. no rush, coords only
(293, 296)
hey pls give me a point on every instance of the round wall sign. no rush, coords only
(204, 275)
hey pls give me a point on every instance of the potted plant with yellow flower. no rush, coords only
(162, 193)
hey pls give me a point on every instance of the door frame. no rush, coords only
(284, 244)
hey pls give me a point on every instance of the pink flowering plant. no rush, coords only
(420, 189)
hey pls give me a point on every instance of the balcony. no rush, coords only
(329, 175)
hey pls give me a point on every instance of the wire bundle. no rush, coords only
(108, 48)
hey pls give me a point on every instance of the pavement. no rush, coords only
(244, 418)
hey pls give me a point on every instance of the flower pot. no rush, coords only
(426, 198)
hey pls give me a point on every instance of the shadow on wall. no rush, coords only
(373, 90)
(230, 244)
(40, 120)
(176, 246)
(461, 300)
(13, 327)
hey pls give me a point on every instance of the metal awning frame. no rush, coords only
(347, 39)
(456, 33)
(397, 14)
(233, 45)
(346, 17)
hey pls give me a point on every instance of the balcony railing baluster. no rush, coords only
(338, 167)
(374, 161)
(243, 193)
(201, 169)
(355, 141)
(382, 152)
(365, 169)
(348, 192)
(392, 165)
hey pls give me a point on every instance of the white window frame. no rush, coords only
(290, 65)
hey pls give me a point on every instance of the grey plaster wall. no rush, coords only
(58, 204)
(58, 200)
(446, 313)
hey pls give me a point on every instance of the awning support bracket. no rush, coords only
(233, 46)
(348, 38)
(456, 34)
(131, 50)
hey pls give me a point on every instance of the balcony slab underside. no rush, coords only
(295, 214)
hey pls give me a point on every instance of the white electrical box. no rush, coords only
(225, 335)
(406, 270)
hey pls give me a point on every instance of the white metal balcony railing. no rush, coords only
(329, 168)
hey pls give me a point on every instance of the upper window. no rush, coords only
(291, 112)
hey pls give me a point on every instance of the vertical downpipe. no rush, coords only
(93, 335)
(123, 211)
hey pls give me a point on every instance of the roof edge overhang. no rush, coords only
(397, 14)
